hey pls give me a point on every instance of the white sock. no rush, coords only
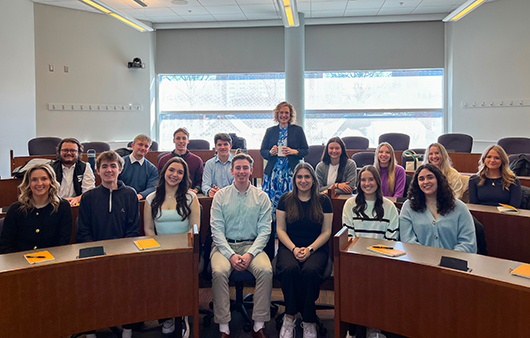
(224, 328)
(258, 326)
(127, 333)
(90, 335)
(288, 319)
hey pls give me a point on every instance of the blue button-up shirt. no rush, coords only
(240, 216)
(217, 173)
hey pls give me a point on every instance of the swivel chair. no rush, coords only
(398, 141)
(454, 142)
(314, 155)
(363, 158)
(43, 145)
(515, 145)
(99, 147)
(198, 144)
(356, 142)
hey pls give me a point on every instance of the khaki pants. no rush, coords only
(260, 267)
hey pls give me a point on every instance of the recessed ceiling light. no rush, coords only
(179, 2)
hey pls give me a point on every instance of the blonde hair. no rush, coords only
(508, 177)
(291, 109)
(445, 162)
(144, 138)
(391, 171)
(26, 195)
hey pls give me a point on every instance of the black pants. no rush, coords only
(301, 281)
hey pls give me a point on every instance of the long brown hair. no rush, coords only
(360, 199)
(293, 203)
(508, 177)
(26, 195)
(183, 208)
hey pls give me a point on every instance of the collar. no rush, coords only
(241, 193)
(182, 156)
(65, 168)
(133, 159)
(230, 156)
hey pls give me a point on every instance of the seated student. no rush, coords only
(336, 170)
(75, 177)
(392, 175)
(432, 216)
(171, 209)
(437, 155)
(109, 211)
(40, 219)
(138, 172)
(217, 173)
(304, 226)
(181, 138)
(369, 214)
(494, 183)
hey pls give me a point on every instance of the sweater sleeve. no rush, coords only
(152, 179)
(515, 194)
(84, 223)
(399, 186)
(133, 223)
(392, 231)
(349, 175)
(466, 237)
(265, 149)
(347, 215)
(473, 186)
(64, 232)
(303, 149)
(455, 182)
(8, 238)
(406, 224)
(321, 172)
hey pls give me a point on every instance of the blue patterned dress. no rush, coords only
(280, 179)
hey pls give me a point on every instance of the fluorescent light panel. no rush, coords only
(289, 13)
(463, 10)
(103, 7)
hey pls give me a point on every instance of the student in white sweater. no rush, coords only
(369, 214)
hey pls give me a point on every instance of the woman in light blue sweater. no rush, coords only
(432, 216)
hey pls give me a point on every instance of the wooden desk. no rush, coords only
(412, 296)
(71, 295)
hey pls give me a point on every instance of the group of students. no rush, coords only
(291, 196)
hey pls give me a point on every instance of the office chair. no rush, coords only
(99, 147)
(398, 141)
(314, 155)
(363, 158)
(356, 142)
(482, 248)
(454, 142)
(198, 144)
(43, 145)
(515, 145)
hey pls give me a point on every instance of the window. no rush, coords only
(349, 103)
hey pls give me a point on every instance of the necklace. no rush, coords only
(169, 196)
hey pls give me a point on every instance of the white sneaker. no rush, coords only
(168, 326)
(185, 327)
(288, 328)
(310, 330)
(90, 335)
(126, 333)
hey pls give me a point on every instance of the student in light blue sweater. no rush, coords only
(138, 172)
(432, 216)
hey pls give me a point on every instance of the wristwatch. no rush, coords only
(310, 249)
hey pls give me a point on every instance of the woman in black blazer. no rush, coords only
(283, 146)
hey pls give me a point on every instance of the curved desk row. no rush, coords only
(70, 295)
(412, 296)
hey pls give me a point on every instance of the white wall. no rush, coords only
(96, 48)
(17, 80)
(489, 60)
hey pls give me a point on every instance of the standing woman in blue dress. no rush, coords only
(283, 146)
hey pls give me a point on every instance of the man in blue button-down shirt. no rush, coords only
(241, 226)
(217, 172)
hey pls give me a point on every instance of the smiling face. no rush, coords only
(39, 183)
(303, 180)
(493, 160)
(69, 153)
(181, 143)
(384, 156)
(284, 116)
(434, 156)
(174, 174)
(223, 147)
(140, 149)
(334, 151)
(428, 182)
(368, 185)
(241, 170)
(109, 171)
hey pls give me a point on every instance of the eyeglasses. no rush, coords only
(73, 151)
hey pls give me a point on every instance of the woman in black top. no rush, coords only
(304, 219)
(40, 219)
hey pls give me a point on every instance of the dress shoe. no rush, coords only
(260, 334)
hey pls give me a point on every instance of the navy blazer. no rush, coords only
(295, 140)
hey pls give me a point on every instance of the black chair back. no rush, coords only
(314, 155)
(398, 141)
(198, 144)
(43, 145)
(454, 142)
(99, 147)
(363, 158)
(356, 142)
(515, 145)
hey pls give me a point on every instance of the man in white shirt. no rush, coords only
(74, 176)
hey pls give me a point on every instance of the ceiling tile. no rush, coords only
(254, 2)
(262, 16)
(401, 3)
(230, 17)
(135, 13)
(190, 11)
(431, 9)
(157, 11)
(365, 4)
(395, 11)
(361, 12)
(168, 19)
(217, 2)
(323, 14)
(328, 6)
(224, 9)
(263, 8)
(198, 18)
